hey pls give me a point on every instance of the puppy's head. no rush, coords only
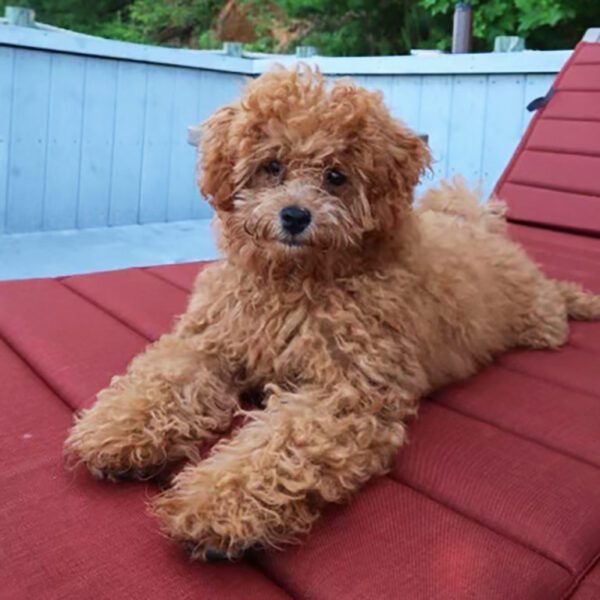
(302, 171)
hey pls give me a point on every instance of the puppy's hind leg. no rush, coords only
(545, 321)
(454, 198)
(581, 305)
(549, 326)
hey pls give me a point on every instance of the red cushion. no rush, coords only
(589, 586)
(181, 275)
(396, 542)
(497, 494)
(145, 302)
(506, 483)
(552, 179)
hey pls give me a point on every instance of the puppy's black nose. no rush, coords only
(294, 219)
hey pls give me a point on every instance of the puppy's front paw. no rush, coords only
(186, 517)
(208, 521)
(114, 450)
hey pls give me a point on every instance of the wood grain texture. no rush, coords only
(125, 179)
(65, 112)
(28, 141)
(97, 142)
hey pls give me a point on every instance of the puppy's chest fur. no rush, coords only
(298, 332)
(285, 332)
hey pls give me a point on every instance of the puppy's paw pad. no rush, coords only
(133, 474)
(208, 554)
(214, 555)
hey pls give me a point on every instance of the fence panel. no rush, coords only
(93, 132)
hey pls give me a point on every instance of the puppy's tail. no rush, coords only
(581, 305)
(457, 199)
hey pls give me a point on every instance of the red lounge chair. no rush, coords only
(496, 496)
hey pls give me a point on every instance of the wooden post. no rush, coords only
(509, 43)
(19, 16)
(462, 31)
(193, 135)
(233, 49)
(305, 51)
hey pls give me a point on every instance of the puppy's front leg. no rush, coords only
(267, 486)
(172, 396)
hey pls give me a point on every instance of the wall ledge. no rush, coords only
(529, 61)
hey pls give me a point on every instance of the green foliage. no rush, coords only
(545, 24)
(87, 17)
(178, 22)
(335, 27)
(346, 27)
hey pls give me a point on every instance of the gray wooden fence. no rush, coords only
(93, 132)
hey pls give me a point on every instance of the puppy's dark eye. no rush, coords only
(335, 177)
(274, 167)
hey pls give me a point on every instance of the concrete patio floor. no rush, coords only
(50, 254)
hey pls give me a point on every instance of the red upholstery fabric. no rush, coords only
(145, 302)
(497, 495)
(552, 178)
(589, 587)
(396, 542)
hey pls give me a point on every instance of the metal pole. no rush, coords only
(462, 31)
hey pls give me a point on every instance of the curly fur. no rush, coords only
(374, 306)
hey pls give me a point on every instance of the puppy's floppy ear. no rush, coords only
(216, 160)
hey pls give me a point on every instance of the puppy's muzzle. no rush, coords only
(294, 219)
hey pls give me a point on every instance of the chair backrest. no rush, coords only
(553, 178)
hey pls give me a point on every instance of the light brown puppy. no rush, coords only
(339, 301)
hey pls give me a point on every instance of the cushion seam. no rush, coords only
(547, 150)
(581, 577)
(561, 385)
(37, 373)
(585, 234)
(577, 89)
(584, 347)
(104, 309)
(579, 119)
(439, 402)
(553, 188)
(267, 574)
(169, 281)
(475, 520)
(555, 237)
